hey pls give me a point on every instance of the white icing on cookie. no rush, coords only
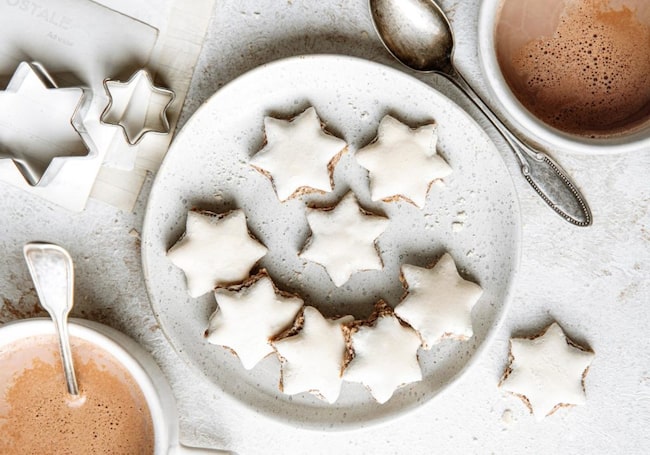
(250, 315)
(298, 154)
(385, 357)
(547, 371)
(402, 162)
(343, 239)
(216, 250)
(312, 359)
(439, 301)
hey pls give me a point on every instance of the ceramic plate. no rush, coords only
(474, 215)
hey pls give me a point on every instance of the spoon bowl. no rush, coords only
(419, 35)
(423, 42)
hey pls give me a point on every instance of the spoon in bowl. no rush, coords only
(418, 34)
(52, 272)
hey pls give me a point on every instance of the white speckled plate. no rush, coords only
(475, 216)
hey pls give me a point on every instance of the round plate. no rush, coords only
(474, 215)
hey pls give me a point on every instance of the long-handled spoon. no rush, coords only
(418, 34)
(52, 272)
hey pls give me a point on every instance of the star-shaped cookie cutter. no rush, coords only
(137, 106)
(33, 85)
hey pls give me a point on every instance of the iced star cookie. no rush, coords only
(299, 155)
(249, 316)
(343, 239)
(402, 162)
(312, 357)
(439, 302)
(216, 250)
(547, 372)
(383, 354)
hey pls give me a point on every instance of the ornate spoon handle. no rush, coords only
(545, 175)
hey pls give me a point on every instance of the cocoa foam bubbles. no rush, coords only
(581, 66)
(37, 415)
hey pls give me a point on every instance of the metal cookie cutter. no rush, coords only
(41, 124)
(137, 106)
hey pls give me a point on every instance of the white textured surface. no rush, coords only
(594, 281)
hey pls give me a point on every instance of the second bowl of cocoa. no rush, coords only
(125, 404)
(573, 74)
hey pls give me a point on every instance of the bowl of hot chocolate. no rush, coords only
(572, 74)
(124, 406)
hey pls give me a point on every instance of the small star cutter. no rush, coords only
(137, 106)
(36, 169)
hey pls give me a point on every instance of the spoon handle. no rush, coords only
(66, 356)
(546, 176)
(52, 271)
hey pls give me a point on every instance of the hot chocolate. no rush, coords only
(582, 66)
(37, 415)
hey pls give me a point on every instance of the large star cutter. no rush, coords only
(37, 157)
(137, 106)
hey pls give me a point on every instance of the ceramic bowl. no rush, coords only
(138, 362)
(518, 116)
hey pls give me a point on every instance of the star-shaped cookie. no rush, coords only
(439, 301)
(343, 239)
(385, 354)
(312, 359)
(249, 316)
(298, 155)
(39, 122)
(216, 250)
(402, 162)
(547, 372)
(137, 106)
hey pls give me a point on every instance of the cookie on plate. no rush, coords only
(403, 162)
(343, 239)
(438, 303)
(382, 353)
(547, 372)
(299, 155)
(312, 354)
(249, 316)
(216, 250)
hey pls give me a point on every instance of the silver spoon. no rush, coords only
(418, 34)
(52, 272)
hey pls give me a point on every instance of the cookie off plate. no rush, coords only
(473, 214)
